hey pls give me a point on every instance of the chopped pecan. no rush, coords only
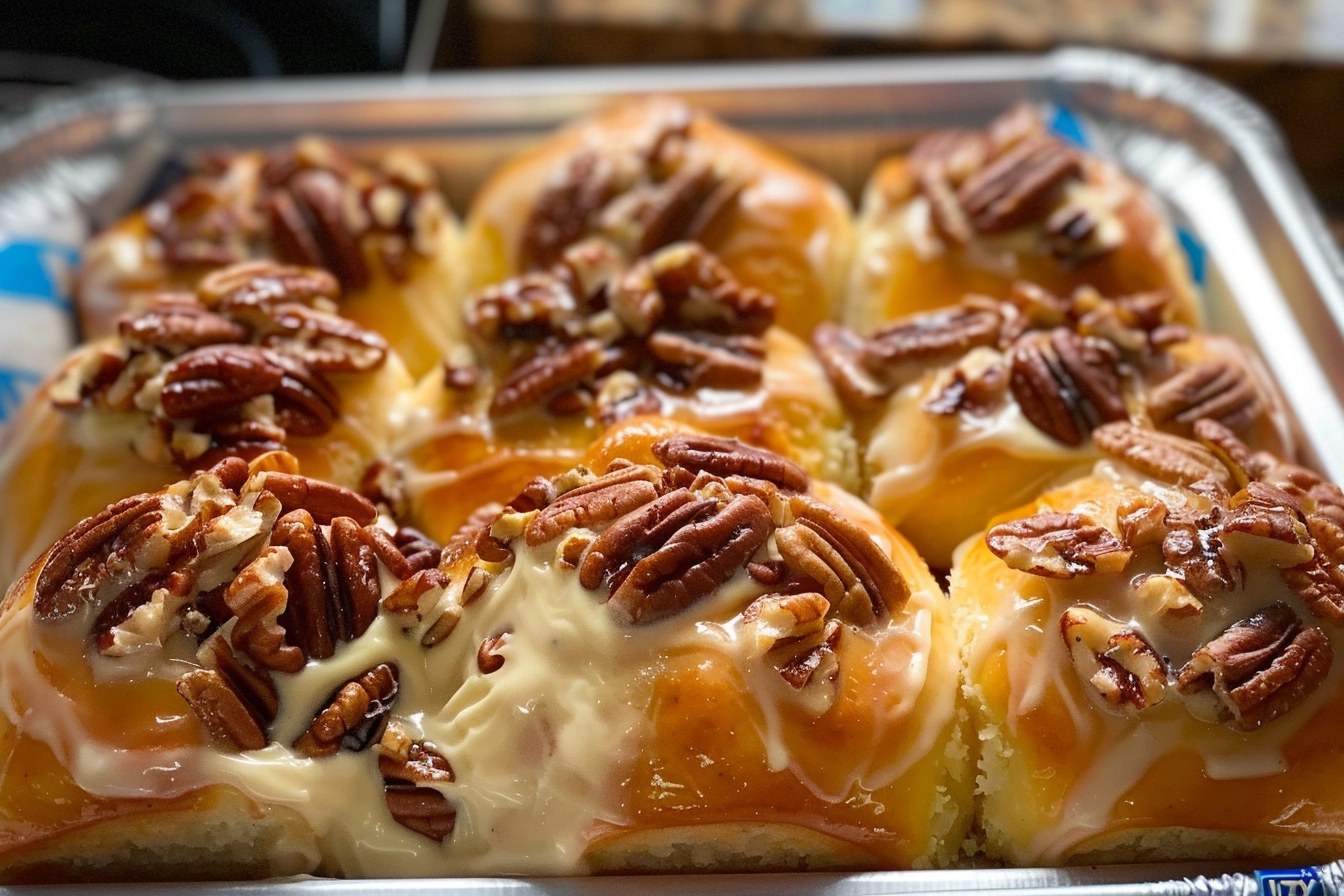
(1193, 550)
(216, 378)
(1142, 521)
(257, 596)
(701, 293)
(802, 669)
(729, 457)
(1161, 455)
(934, 336)
(411, 761)
(1057, 546)
(530, 307)
(1219, 390)
(488, 657)
(76, 564)
(777, 619)
(605, 498)
(710, 361)
(695, 561)
(544, 375)
(1264, 525)
(813, 672)
(1259, 668)
(841, 353)
(973, 388)
(354, 717)
(886, 590)
(1116, 661)
(1066, 384)
(179, 324)
(407, 597)
(623, 396)
(1074, 233)
(1320, 580)
(1018, 186)
(1167, 596)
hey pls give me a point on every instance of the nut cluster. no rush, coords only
(308, 204)
(642, 194)
(656, 540)
(235, 368)
(264, 572)
(1240, 510)
(593, 335)
(1012, 175)
(1071, 364)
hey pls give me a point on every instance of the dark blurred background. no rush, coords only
(1287, 54)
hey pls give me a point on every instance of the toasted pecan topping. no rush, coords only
(235, 702)
(1319, 581)
(1057, 546)
(645, 193)
(605, 498)
(236, 368)
(423, 810)
(1260, 667)
(942, 335)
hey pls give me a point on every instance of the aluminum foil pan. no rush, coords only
(1271, 274)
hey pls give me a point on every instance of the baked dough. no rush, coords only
(1149, 653)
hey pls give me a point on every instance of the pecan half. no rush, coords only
(1066, 384)
(882, 584)
(235, 702)
(305, 403)
(1163, 456)
(354, 717)
(1218, 390)
(1057, 546)
(605, 498)
(563, 212)
(1018, 186)
(1320, 580)
(695, 561)
(639, 533)
(1117, 662)
(546, 374)
(1265, 525)
(934, 336)
(708, 360)
(1259, 668)
(75, 565)
(841, 353)
(423, 810)
(216, 378)
(179, 325)
(729, 457)
(324, 342)
(260, 283)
